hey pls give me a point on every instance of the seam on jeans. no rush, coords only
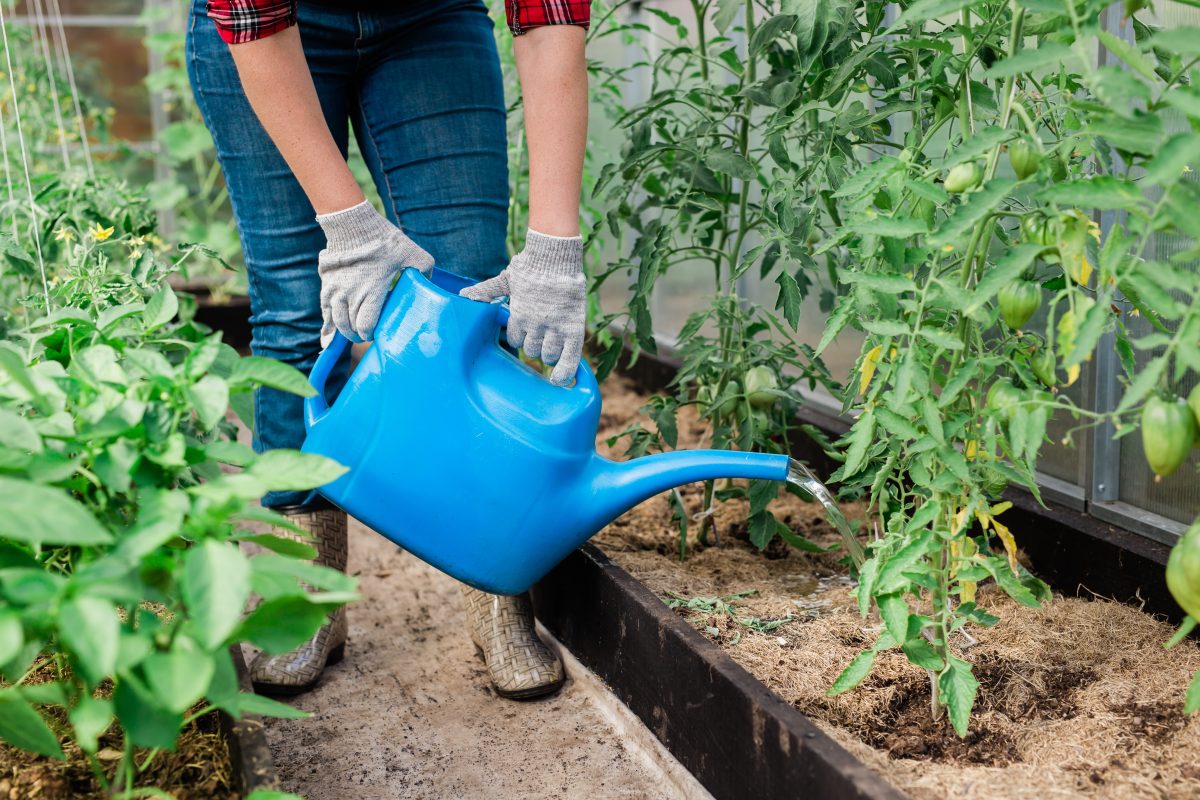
(370, 137)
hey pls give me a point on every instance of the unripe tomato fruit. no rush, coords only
(1036, 229)
(1004, 397)
(729, 404)
(963, 177)
(1045, 366)
(1183, 571)
(1168, 430)
(1024, 158)
(759, 380)
(1019, 301)
(1194, 402)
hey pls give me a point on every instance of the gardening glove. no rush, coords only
(547, 301)
(362, 255)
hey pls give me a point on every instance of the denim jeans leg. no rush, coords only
(430, 119)
(280, 237)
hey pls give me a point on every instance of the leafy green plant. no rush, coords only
(123, 491)
(954, 388)
(943, 166)
(708, 179)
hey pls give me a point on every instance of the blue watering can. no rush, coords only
(470, 459)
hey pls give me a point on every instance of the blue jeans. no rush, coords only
(421, 87)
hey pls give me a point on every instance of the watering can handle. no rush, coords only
(315, 406)
(585, 379)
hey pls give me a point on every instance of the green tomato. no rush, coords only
(1194, 402)
(1019, 301)
(1183, 571)
(759, 381)
(1024, 157)
(1045, 367)
(963, 177)
(1004, 398)
(1168, 430)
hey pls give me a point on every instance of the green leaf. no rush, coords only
(1101, 191)
(283, 546)
(869, 178)
(1132, 57)
(896, 425)
(256, 370)
(1046, 54)
(893, 608)
(862, 436)
(1182, 39)
(1142, 385)
(272, 794)
(23, 727)
(789, 298)
(146, 723)
(730, 162)
(726, 11)
(216, 585)
(891, 578)
(978, 145)
(89, 627)
(1167, 167)
(978, 205)
(1191, 703)
(921, 653)
(925, 10)
(266, 707)
(958, 688)
(895, 227)
(12, 634)
(287, 470)
(161, 308)
(45, 515)
(210, 397)
(854, 674)
(180, 676)
(283, 623)
(17, 432)
(90, 718)
(947, 341)
(1003, 272)
(159, 519)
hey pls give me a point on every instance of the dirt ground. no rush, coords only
(1077, 699)
(409, 713)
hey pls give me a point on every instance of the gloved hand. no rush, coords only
(547, 301)
(362, 255)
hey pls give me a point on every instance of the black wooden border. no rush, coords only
(246, 739)
(734, 734)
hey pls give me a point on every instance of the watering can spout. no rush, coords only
(618, 486)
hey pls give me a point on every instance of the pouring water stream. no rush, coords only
(800, 475)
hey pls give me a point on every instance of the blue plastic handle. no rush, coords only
(315, 407)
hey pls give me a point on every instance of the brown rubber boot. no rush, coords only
(298, 671)
(520, 664)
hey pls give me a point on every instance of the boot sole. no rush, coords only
(281, 690)
(521, 694)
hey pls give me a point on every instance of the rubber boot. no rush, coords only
(520, 664)
(298, 671)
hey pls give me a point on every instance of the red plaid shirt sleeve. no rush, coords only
(246, 20)
(240, 21)
(526, 14)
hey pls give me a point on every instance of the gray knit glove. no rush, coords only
(547, 299)
(362, 255)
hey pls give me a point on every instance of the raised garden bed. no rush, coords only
(218, 758)
(1077, 699)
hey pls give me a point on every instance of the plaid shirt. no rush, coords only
(246, 20)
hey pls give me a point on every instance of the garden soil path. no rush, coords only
(409, 713)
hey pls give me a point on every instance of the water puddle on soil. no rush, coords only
(801, 476)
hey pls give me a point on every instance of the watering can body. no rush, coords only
(467, 457)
